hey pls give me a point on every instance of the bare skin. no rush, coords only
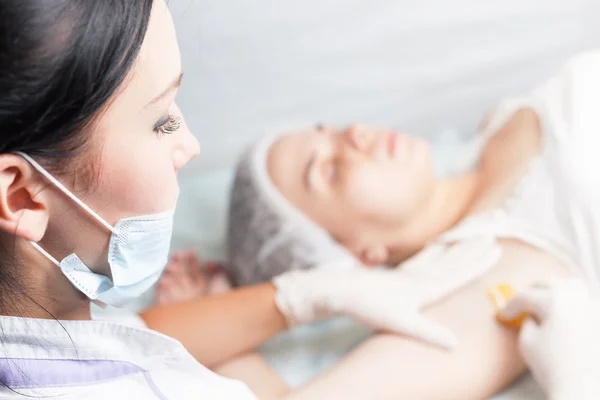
(188, 278)
(487, 360)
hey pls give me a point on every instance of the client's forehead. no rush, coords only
(287, 154)
(286, 160)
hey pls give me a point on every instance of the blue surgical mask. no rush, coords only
(137, 254)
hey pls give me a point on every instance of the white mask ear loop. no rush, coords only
(44, 252)
(67, 192)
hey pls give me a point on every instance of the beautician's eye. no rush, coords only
(168, 125)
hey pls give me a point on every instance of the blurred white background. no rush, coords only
(423, 66)
(430, 67)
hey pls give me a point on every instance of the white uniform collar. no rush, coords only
(50, 352)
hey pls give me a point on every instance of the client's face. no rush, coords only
(360, 184)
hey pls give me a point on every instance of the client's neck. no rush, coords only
(448, 206)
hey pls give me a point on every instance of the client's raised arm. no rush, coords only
(393, 367)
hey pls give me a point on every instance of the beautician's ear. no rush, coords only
(373, 255)
(23, 202)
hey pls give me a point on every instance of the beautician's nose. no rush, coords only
(186, 148)
(358, 136)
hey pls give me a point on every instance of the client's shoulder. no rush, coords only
(513, 145)
(506, 157)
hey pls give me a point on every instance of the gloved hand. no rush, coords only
(561, 340)
(388, 299)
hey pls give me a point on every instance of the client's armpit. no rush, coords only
(393, 367)
(500, 295)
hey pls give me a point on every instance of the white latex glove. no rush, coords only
(388, 299)
(561, 340)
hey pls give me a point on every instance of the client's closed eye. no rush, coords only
(332, 171)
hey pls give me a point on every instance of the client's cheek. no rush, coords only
(371, 191)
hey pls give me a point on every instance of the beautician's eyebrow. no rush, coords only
(174, 85)
(307, 171)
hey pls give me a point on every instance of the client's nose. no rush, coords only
(358, 135)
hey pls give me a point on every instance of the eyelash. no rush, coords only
(168, 125)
